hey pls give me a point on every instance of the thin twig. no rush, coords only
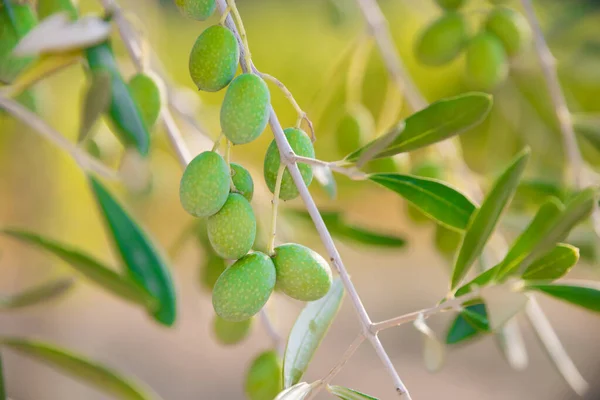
(278, 342)
(285, 150)
(352, 172)
(83, 159)
(275, 210)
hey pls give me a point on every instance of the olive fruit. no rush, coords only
(446, 240)
(264, 378)
(205, 184)
(301, 272)
(244, 288)
(443, 40)
(450, 4)
(196, 9)
(214, 58)
(147, 95)
(232, 230)
(245, 109)
(486, 65)
(302, 146)
(354, 130)
(510, 27)
(242, 180)
(231, 332)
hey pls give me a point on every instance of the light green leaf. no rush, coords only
(480, 280)
(308, 331)
(432, 197)
(585, 294)
(439, 121)
(348, 394)
(79, 367)
(502, 303)
(554, 264)
(484, 220)
(89, 267)
(539, 227)
(38, 294)
(434, 351)
(96, 102)
(299, 391)
(144, 262)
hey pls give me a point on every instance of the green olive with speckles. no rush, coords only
(510, 27)
(214, 59)
(302, 273)
(196, 9)
(231, 332)
(447, 240)
(443, 40)
(450, 4)
(244, 288)
(486, 64)
(242, 180)
(232, 230)
(204, 186)
(264, 378)
(302, 146)
(245, 109)
(146, 94)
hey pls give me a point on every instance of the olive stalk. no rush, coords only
(352, 173)
(280, 171)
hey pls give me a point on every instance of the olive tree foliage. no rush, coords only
(492, 279)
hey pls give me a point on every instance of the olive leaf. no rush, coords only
(143, 260)
(308, 332)
(79, 367)
(470, 323)
(554, 264)
(585, 294)
(345, 393)
(96, 102)
(38, 294)
(484, 220)
(438, 200)
(299, 391)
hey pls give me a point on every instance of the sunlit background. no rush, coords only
(303, 43)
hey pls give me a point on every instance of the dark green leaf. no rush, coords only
(79, 367)
(308, 331)
(433, 198)
(484, 220)
(537, 230)
(89, 267)
(554, 264)
(41, 293)
(476, 315)
(585, 294)
(144, 262)
(96, 102)
(468, 324)
(441, 120)
(348, 394)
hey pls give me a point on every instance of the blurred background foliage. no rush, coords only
(299, 42)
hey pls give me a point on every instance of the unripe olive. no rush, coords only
(245, 109)
(204, 185)
(354, 130)
(446, 240)
(214, 58)
(302, 146)
(264, 379)
(242, 180)
(486, 65)
(146, 94)
(244, 288)
(196, 9)
(443, 40)
(450, 4)
(211, 269)
(232, 230)
(301, 272)
(231, 332)
(510, 27)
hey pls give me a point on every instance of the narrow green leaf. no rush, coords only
(554, 264)
(539, 227)
(41, 293)
(439, 121)
(345, 393)
(79, 367)
(467, 324)
(96, 102)
(477, 316)
(585, 294)
(144, 262)
(484, 220)
(432, 197)
(480, 280)
(308, 331)
(299, 391)
(535, 192)
(89, 267)
(264, 380)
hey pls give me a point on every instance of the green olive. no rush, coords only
(486, 64)
(510, 27)
(264, 378)
(242, 180)
(196, 9)
(147, 95)
(232, 230)
(443, 40)
(450, 4)
(231, 332)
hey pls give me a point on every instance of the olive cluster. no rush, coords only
(503, 34)
(220, 191)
